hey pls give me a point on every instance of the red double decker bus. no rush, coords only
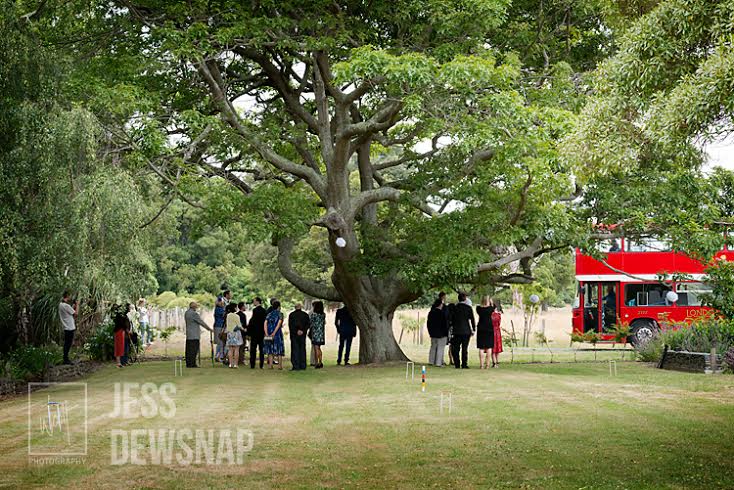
(626, 286)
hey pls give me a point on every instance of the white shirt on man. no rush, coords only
(66, 314)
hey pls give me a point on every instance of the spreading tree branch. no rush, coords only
(306, 286)
(208, 71)
(527, 252)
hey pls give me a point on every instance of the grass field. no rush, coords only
(520, 426)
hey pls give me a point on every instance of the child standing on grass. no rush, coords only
(234, 335)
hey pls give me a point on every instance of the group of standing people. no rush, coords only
(232, 331)
(454, 325)
(123, 318)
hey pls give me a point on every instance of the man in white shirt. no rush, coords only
(67, 313)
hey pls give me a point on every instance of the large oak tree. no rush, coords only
(424, 134)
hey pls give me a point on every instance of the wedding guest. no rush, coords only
(68, 311)
(274, 346)
(485, 332)
(438, 330)
(318, 331)
(256, 332)
(496, 321)
(194, 324)
(234, 335)
(298, 325)
(463, 327)
(347, 330)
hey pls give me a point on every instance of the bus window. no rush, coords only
(608, 246)
(634, 295)
(647, 245)
(646, 294)
(689, 293)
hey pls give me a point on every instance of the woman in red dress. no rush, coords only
(497, 345)
(118, 333)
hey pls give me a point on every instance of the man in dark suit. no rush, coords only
(298, 324)
(256, 331)
(347, 330)
(462, 328)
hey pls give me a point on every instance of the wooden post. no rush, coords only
(661, 364)
(420, 329)
(713, 360)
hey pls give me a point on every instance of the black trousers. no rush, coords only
(192, 351)
(344, 342)
(298, 351)
(68, 340)
(460, 342)
(256, 344)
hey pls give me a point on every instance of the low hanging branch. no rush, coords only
(528, 252)
(312, 288)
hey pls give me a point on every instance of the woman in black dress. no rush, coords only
(485, 332)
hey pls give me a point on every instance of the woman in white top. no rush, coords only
(234, 334)
(146, 335)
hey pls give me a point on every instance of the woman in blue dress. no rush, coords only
(274, 345)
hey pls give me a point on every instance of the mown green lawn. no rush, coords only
(520, 426)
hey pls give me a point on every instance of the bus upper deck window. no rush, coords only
(608, 246)
(648, 244)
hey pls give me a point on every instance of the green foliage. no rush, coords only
(621, 331)
(100, 346)
(166, 333)
(592, 337)
(577, 337)
(163, 299)
(180, 302)
(701, 336)
(720, 276)
(651, 351)
(410, 323)
(637, 146)
(205, 299)
(69, 220)
(29, 362)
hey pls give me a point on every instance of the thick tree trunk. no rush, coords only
(372, 301)
(377, 342)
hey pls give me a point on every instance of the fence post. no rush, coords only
(713, 360)
(661, 364)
